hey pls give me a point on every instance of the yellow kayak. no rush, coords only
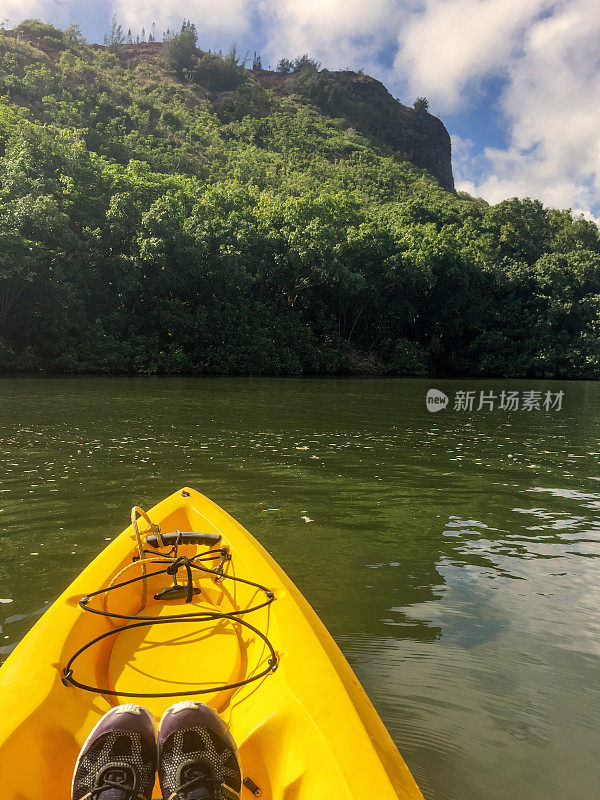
(186, 603)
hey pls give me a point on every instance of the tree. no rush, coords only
(115, 38)
(233, 58)
(73, 35)
(219, 73)
(129, 37)
(521, 227)
(35, 29)
(178, 52)
(285, 66)
(421, 105)
(305, 63)
(256, 62)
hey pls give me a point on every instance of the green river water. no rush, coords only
(453, 556)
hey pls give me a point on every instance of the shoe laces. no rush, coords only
(113, 785)
(186, 790)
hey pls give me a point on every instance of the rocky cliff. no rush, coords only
(368, 107)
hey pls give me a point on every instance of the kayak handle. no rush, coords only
(179, 537)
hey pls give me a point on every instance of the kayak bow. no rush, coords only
(194, 606)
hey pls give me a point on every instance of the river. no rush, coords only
(452, 555)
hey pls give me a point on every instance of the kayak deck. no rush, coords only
(305, 731)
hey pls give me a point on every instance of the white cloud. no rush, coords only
(15, 11)
(449, 45)
(210, 16)
(341, 33)
(552, 103)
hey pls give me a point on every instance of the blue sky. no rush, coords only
(517, 82)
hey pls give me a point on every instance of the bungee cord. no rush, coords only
(175, 563)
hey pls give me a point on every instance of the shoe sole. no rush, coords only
(95, 728)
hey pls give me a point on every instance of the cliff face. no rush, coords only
(367, 105)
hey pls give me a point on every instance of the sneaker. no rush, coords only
(118, 759)
(197, 757)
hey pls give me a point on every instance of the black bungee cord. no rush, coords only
(175, 563)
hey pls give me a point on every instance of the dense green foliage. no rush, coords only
(155, 224)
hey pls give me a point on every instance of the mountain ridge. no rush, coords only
(415, 136)
(362, 101)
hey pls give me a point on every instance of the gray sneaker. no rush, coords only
(197, 757)
(118, 759)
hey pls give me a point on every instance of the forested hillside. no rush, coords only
(164, 210)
